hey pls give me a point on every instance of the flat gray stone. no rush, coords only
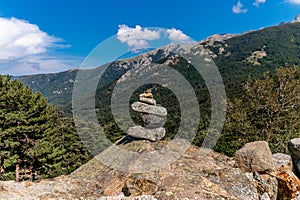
(149, 134)
(153, 121)
(148, 100)
(282, 160)
(149, 109)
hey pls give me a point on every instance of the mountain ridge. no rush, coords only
(58, 86)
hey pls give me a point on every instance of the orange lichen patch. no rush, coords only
(115, 187)
(288, 181)
(28, 184)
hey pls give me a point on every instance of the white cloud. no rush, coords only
(38, 64)
(19, 38)
(24, 49)
(177, 35)
(239, 8)
(258, 2)
(138, 37)
(296, 2)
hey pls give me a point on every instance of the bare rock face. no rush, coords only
(227, 179)
(150, 134)
(149, 109)
(255, 157)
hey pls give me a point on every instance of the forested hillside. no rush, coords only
(36, 140)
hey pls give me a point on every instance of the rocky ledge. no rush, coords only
(253, 174)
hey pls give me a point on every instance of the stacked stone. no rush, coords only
(153, 118)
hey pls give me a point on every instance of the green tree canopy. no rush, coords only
(35, 135)
(270, 111)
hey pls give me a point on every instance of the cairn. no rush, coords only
(153, 118)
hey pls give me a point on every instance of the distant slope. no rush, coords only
(236, 57)
(56, 87)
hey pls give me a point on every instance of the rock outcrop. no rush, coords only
(214, 176)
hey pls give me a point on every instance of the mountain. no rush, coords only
(236, 56)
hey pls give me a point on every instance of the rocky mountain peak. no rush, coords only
(297, 19)
(218, 37)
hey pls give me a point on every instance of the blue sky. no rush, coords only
(49, 36)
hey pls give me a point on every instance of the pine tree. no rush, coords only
(34, 135)
(269, 111)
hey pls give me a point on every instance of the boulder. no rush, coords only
(149, 109)
(294, 148)
(148, 100)
(153, 121)
(255, 157)
(149, 134)
(281, 160)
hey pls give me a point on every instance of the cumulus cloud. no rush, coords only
(19, 38)
(239, 8)
(177, 35)
(24, 48)
(296, 2)
(258, 2)
(138, 37)
(39, 64)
